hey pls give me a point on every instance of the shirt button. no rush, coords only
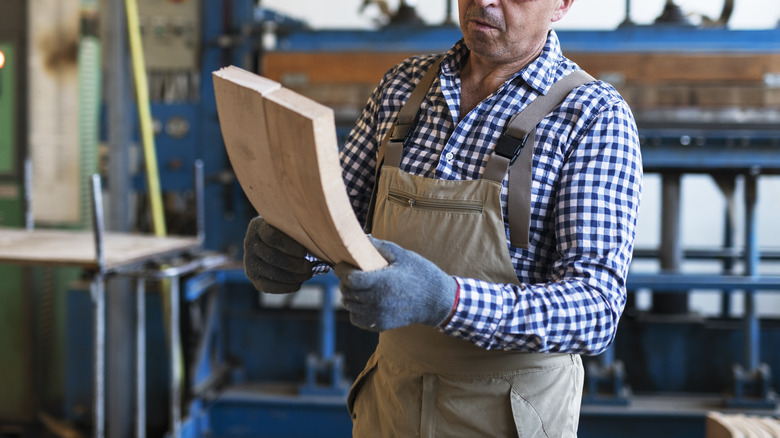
(507, 349)
(456, 333)
(449, 156)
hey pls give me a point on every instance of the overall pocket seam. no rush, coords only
(536, 412)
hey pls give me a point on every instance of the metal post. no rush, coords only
(119, 103)
(671, 244)
(327, 324)
(751, 269)
(97, 289)
(118, 95)
(727, 185)
(98, 223)
(175, 356)
(140, 359)
(29, 220)
(99, 303)
(200, 201)
(448, 13)
(627, 21)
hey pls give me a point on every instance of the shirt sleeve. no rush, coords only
(358, 159)
(594, 216)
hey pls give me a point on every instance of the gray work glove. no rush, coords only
(411, 289)
(273, 261)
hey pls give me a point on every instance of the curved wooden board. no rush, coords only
(771, 425)
(303, 136)
(239, 96)
(742, 424)
(720, 426)
(283, 149)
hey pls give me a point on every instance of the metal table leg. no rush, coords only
(140, 359)
(175, 355)
(98, 292)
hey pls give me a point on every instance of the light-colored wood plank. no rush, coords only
(77, 248)
(242, 119)
(287, 164)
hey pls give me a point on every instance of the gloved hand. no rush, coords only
(273, 261)
(411, 289)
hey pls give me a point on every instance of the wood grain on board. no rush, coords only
(283, 149)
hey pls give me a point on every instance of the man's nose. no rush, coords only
(486, 3)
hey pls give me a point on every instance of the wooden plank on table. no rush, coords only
(284, 152)
(77, 248)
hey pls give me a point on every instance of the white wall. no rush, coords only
(586, 14)
(703, 205)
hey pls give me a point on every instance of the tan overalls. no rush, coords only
(420, 382)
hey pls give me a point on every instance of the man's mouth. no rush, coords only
(480, 24)
(481, 19)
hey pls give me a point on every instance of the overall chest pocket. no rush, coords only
(400, 198)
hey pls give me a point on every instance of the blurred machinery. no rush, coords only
(707, 101)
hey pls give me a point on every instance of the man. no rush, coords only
(481, 321)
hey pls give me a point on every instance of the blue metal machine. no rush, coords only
(262, 369)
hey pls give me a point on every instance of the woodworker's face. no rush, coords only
(508, 30)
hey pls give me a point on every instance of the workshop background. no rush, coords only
(108, 122)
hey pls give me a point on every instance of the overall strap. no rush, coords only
(398, 132)
(510, 155)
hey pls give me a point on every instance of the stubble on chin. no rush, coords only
(491, 17)
(481, 41)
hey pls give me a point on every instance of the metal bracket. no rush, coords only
(752, 389)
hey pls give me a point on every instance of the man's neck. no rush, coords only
(480, 77)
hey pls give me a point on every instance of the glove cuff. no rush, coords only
(454, 305)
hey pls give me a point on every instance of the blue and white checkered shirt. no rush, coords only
(585, 196)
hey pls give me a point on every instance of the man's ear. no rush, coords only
(562, 9)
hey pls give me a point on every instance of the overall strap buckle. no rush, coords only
(509, 147)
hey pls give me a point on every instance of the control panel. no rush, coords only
(170, 31)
